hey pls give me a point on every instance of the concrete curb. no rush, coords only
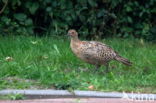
(42, 94)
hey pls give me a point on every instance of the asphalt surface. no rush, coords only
(79, 100)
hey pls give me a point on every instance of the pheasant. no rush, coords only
(94, 52)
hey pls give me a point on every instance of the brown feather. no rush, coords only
(123, 60)
(93, 52)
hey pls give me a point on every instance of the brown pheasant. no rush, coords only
(93, 52)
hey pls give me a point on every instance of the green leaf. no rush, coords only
(114, 3)
(129, 19)
(47, 1)
(33, 8)
(6, 20)
(153, 10)
(15, 2)
(30, 30)
(84, 2)
(4, 1)
(92, 3)
(48, 9)
(126, 34)
(28, 22)
(82, 18)
(56, 48)
(20, 16)
(100, 13)
(128, 8)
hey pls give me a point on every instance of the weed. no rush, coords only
(50, 62)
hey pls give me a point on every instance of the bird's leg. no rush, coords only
(107, 68)
(97, 67)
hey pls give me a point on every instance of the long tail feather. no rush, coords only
(123, 60)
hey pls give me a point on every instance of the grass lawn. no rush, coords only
(29, 62)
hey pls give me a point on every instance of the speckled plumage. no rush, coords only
(93, 52)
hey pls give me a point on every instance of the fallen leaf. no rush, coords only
(34, 42)
(8, 58)
(91, 87)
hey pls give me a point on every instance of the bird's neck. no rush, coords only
(75, 39)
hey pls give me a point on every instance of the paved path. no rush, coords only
(78, 100)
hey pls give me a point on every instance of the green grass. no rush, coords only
(12, 97)
(49, 63)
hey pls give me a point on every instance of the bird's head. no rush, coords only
(72, 33)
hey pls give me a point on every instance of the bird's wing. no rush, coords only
(97, 50)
